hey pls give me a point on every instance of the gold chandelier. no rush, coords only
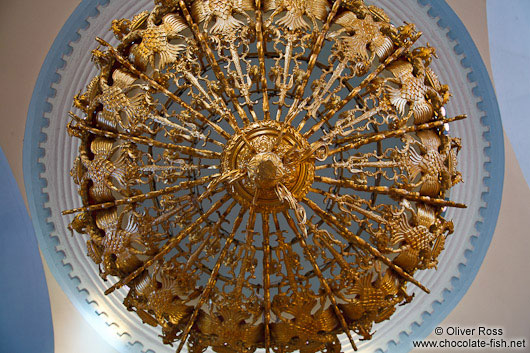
(265, 174)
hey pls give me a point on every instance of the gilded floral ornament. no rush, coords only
(295, 10)
(222, 11)
(365, 36)
(265, 174)
(155, 39)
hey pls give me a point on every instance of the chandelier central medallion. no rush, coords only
(270, 154)
(263, 174)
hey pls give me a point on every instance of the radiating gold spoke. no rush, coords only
(296, 106)
(215, 229)
(142, 197)
(357, 141)
(336, 255)
(287, 253)
(323, 281)
(367, 80)
(216, 104)
(169, 213)
(244, 85)
(205, 138)
(212, 280)
(320, 92)
(191, 151)
(315, 51)
(369, 214)
(335, 223)
(227, 88)
(260, 44)
(169, 245)
(377, 164)
(392, 191)
(266, 279)
(249, 250)
(164, 90)
(284, 86)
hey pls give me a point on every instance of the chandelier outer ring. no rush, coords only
(38, 197)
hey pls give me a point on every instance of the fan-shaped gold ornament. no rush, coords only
(263, 174)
